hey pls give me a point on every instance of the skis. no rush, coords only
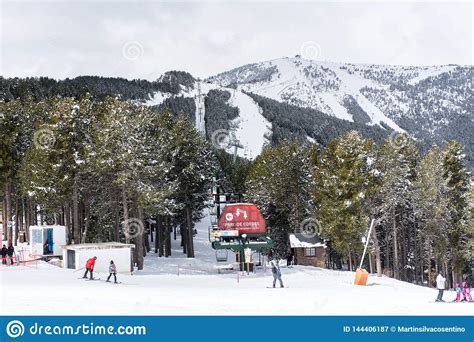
(105, 281)
(271, 287)
(452, 301)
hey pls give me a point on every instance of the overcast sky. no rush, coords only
(143, 39)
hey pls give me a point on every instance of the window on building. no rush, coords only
(310, 252)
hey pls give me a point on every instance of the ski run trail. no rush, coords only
(199, 289)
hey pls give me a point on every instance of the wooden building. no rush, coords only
(308, 250)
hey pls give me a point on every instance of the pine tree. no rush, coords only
(278, 182)
(457, 181)
(17, 121)
(192, 168)
(341, 179)
(431, 209)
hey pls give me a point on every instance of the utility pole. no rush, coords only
(200, 125)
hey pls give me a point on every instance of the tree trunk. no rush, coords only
(147, 240)
(350, 262)
(139, 241)
(75, 213)
(378, 259)
(85, 220)
(184, 234)
(159, 232)
(157, 237)
(4, 210)
(117, 222)
(27, 213)
(168, 237)
(67, 219)
(125, 214)
(8, 210)
(17, 221)
(396, 274)
(190, 239)
(370, 263)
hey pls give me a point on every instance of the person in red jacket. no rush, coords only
(90, 267)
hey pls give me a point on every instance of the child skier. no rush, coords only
(90, 267)
(112, 270)
(4, 255)
(458, 292)
(466, 292)
(276, 273)
(10, 251)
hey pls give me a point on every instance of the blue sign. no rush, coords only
(237, 328)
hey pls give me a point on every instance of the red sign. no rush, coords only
(246, 218)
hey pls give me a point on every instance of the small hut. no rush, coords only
(308, 250)
(47, 240)
(75, 256)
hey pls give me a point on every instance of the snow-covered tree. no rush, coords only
(278, 182)
(457, 180)
(397, 162)
(341, 181)
(431, 210)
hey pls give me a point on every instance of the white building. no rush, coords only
(47, 240)
(75, 256)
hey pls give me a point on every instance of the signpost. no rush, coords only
(241, 228)
(244, 217)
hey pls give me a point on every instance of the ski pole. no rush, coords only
(366, 243)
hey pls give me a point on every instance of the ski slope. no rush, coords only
(200, 290)
(248, 130)
(251, 126)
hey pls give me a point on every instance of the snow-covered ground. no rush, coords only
(199, 289)
(251, 126)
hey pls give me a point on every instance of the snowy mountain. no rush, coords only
(433, 103)
(292, 98)
(248, 129)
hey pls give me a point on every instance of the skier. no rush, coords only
(112, 270)
(10, 252)
(466, 292)
(276, 273)
(4, 255)
(440, 285)
(90, 267)
(458, 290)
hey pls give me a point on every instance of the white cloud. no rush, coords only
(65, 39)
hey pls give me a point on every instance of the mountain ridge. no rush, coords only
(431, 103)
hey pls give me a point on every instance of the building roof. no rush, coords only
(45, 226)
(298, 240)
(102, 245)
